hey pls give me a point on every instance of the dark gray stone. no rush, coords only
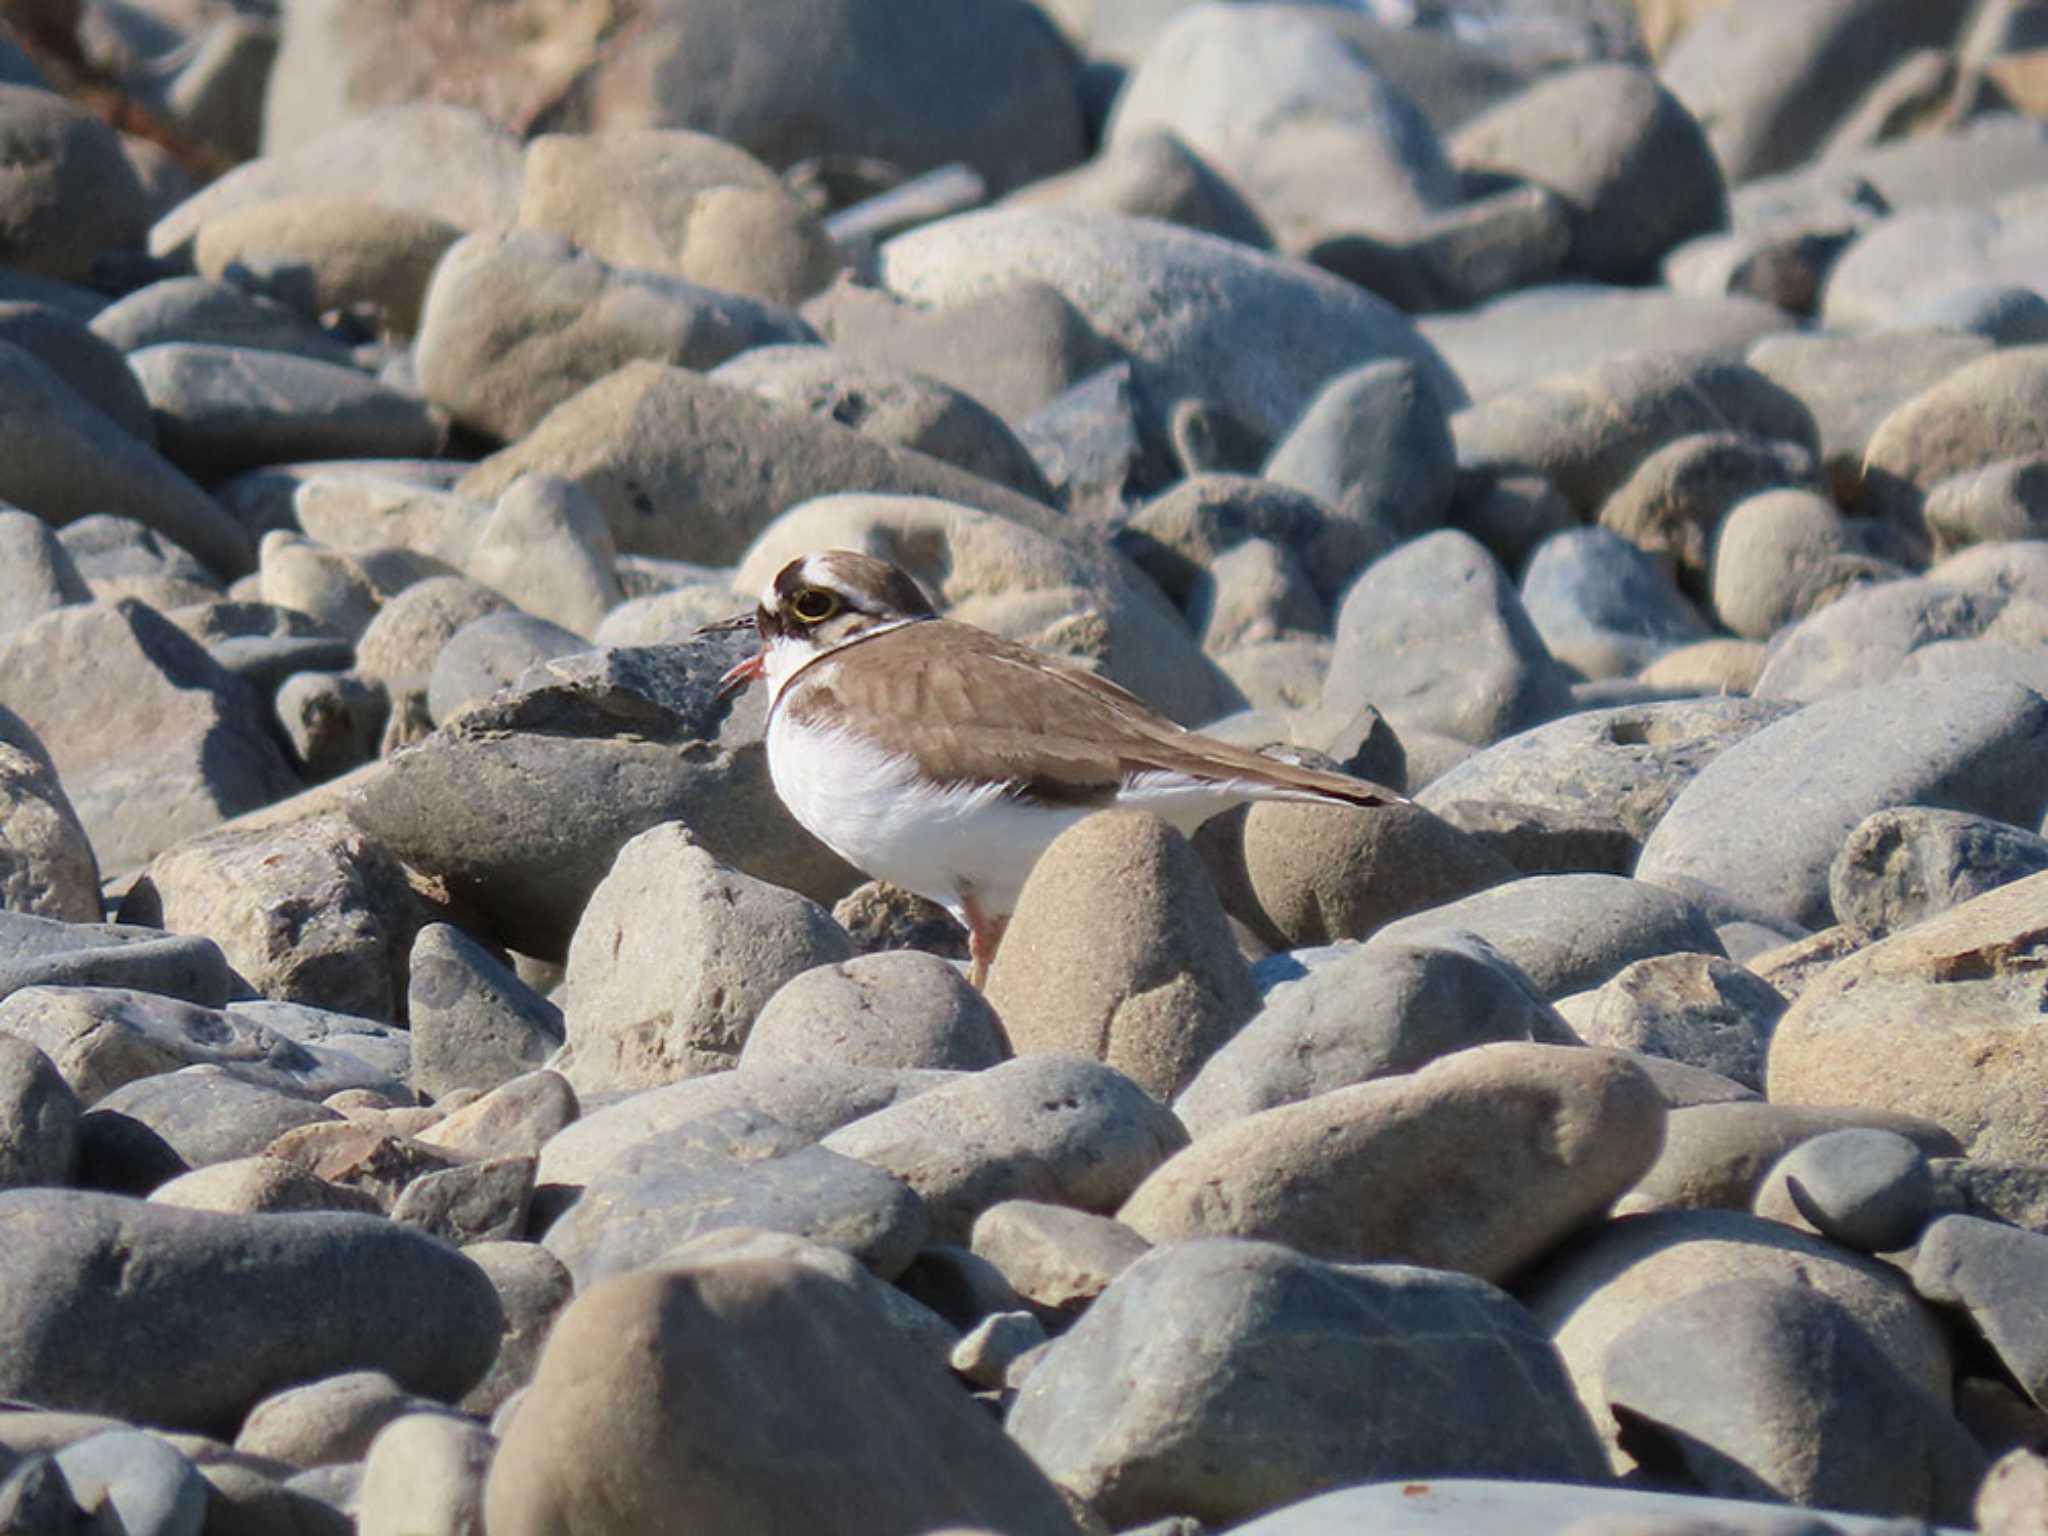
(1866, 1187)
(1176, 536)
(478, 1202)
(1099, 446)
(94, 369)
(199, 309)
(1223, 1379)
(1907, 863)
(40, 951)
(261, 643)
(1699, 1009)
(1568, 933)
(168, 1346)
(734, 1168)
(136, 1482)
(474, 1023)
(1383, 1008)
(208, 1115)
(37, 573)
(1968, 747)
(38, 1119)
(1767, 1389)
(1434, 636)
(1604, 606)
(1996, 1274)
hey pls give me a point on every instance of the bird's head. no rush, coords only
(819, 602)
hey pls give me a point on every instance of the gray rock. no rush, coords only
(1768, 1389)
(985, 1356)
(2008, 315)
(1831, 765)
(400, 643)
(633, 1406)
(1904, 864)
(386, 1299)
(478, 1202)
(250, 1186)
(1481, 1161)
(74, 194)
(585, 755)
(1867, 1187)
(326, 1421)
(95, 370)
(532, 1288)
(1378, 1010)
(1434, 636)
(425, 1471)
(514, 1120)
(546, 548)
(39, 1119)
(517, 321)
(1118, 950)
(1050, 1128)
(1178, 535)
(1151, 173)
(260, 643)
(103, 1037)
(1569, 932)
(1977, 415)
(1375, 445)
(668, 987)
(333, 721)
(2002, 501)
(1717, 1156)
(1598, 778)
(1179, 304)
(1865, 637)
(1780, 556)
(82, 678)
(1052, 1255)
(734, 1168)
(38, 951)
(1930, 267)
(1253, 594)
(894, 1009)
(1603, 605)
(198, 309)
(37, 574)
(136, 1482)
(2012, 1493)
(47, 868)
(209, 1115)
(1099, 446)
(1699, 1009)
(474, 1023)
(1457, 258)
(1993, 1273)
(1632, 166)
(1674, 501)
(491, 653)
(1247, 1351)
(311, 912)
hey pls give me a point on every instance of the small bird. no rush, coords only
(945, 759)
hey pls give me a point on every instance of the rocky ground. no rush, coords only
(439, 1085)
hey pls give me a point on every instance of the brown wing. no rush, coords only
(970, 705)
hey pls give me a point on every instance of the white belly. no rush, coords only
(873, 810)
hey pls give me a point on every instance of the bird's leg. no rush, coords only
(984, 933)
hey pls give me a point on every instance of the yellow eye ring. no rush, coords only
(814, 605)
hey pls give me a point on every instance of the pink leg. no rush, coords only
(984, 933)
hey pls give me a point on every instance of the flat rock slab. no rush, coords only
(41, 951)
(1223, 1379)
(167, 1345)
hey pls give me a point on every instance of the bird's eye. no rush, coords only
(814, 605)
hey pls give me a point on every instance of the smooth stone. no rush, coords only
(74, 194)
(1781, 555)
(135, 1482)
(1600, 777)
(734, 1168)
(1708, 668)
(47, 866)
(355, 253)
(1589, 430)
(387, 1299)
(41, 951)
(1175, 537)
(1621, 1271)
(1119, 951)
(1152, 173)
(399, 645)
(1675, 500)
(1633, 167)
(2013, 1494)
(653, 1001)
(1993, 1273)
(1921, 267)
(811, 1100)
(533, 1287)
(1698, 1009)
(1869, 1188)
(1984, 411)
(383, 1047)
(895, 1009)
(38, 574)
(1603, 605)
(1376, 1011)
(1768, 1388)
(517, 321)
(1178, 304)
(1866, 636)
(485, 1201)
(1481, 1161)
(250, 1186)
(685, 1389)
(424, 1472)
(894, 405)
(1055, 1256)
(198, 309)
(2011, 315)
(326, 1421)
(1852, 383)
(262, 644)
(1052, 1128)
(1569, 932)
(474, 1023)
(208, 1115)
(547, 549)
(102, 1038)
(586, 753)
(514, 1120)
(1717, 1156)
(879, 916)
(313, 912)
(495, 651)
(1218, 1378)
(1946, 1024)
(94, 369)
(1434, 636)
(2003, 501)
(1255, 593)
(1098, 446)
(39, 1119)
(1905, 864)
(446, 161)
(1832, 764)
